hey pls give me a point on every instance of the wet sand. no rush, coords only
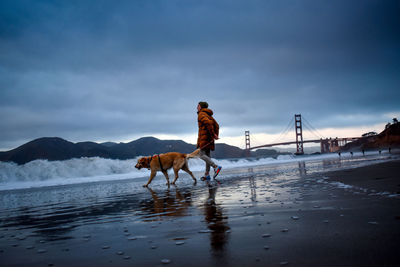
(384, 177)
(254, 220)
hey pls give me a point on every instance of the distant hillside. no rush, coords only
(390, 137)
(55, 148)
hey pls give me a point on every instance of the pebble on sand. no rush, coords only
(178, 243)
(41, 251)
(165, 261)
(266, 235)
(285, 230)
(105, 247)
(179, 238)
(295, 217)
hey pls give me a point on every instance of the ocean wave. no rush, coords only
(40, 173)
(41, 170)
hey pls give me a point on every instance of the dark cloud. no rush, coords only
(87, 70)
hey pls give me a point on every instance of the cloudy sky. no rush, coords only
(121, 70)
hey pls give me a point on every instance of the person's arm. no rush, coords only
(209, 125)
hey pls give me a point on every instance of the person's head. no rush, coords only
(202, 104)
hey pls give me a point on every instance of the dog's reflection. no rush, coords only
(216, 221)
(171, 203)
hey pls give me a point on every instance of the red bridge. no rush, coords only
(327, 144)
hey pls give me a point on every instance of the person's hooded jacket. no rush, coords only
(208, 128)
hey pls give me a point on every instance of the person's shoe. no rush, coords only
(206, 178)
(217, 170)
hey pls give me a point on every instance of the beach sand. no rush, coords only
(344, 218)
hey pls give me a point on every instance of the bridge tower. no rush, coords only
(247, 137)
(299, 134)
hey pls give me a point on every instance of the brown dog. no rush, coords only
(163, 162)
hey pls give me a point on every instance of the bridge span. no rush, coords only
(327, 144)
(285, 143)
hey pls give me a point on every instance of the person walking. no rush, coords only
(208, 132)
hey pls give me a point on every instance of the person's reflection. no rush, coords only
(174, 205)
(216, 221)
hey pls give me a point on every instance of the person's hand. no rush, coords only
(216, 137)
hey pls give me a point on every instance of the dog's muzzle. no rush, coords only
(138, 166)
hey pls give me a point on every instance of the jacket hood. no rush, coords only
(206, 110)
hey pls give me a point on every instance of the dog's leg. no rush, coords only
(152, 174)
(166, 176)
(178, 164)
(176, 175)
(186, 169)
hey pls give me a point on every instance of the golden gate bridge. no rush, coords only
(327, 144)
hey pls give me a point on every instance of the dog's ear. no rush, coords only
(145, 162)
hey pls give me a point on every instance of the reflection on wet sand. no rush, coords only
(216, 220)
(170, 204)
(253, 187)
(57, 221)
(302, 169)
(328, 163)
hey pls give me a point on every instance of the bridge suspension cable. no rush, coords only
(284, 132)
(312, 129)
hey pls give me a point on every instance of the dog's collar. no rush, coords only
(151, 158)
(159, 161)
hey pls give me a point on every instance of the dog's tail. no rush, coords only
(194, 154)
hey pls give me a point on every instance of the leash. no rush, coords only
(159, 160)
(209, 143)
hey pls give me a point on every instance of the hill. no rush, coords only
(388, 138)
(55, 148)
